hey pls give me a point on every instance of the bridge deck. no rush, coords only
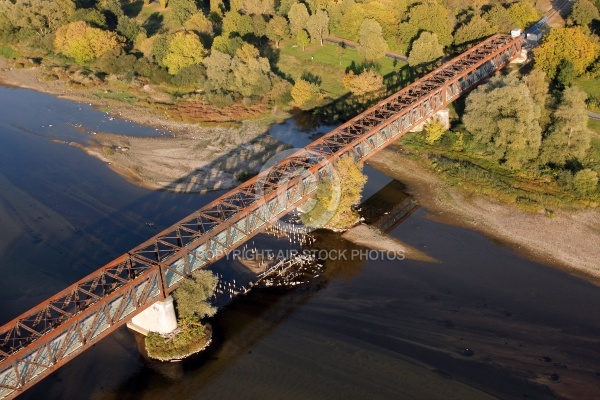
(50, 334)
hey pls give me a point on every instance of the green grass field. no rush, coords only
(336, 56)
(589, 85)
(594, 125)
(328, 63)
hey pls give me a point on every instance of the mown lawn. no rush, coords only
(594, 125)
(327, 64)
(334, 55)
(589, 85)
(592, 87)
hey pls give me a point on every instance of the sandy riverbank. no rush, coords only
(193, 159)
(373, 238)
(569, 240)
(198, 158)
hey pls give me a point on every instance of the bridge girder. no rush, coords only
(41, 340)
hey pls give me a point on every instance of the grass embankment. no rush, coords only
(175, 347)
(476, 174)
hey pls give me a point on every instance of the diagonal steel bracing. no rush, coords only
(50, 334)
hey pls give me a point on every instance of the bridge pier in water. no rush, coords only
(159, 317)
(41, 340)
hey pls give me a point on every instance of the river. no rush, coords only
(480, 323)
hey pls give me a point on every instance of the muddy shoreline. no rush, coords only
(568, 240)
(193, 158)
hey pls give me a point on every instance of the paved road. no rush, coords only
(593, 115)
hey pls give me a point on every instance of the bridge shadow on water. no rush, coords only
(246, 321)
(96, 212)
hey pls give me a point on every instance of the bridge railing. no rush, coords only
(47, 336)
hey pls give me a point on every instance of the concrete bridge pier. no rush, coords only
(159, 317)
(442, 116)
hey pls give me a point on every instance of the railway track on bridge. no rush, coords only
(39, 341)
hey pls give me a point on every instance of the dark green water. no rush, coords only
(373, 329)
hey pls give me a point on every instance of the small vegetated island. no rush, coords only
(192, 334)
(523, 138)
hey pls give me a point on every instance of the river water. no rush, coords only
(480, 323)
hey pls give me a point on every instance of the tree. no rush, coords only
(183, 49)
(250, 72)
(258, 25)
(283, 7)
(305, 94)
(432, 17)
(386, 13)
(336, 198)
(231, 22)
(217, 7)
(258, 7)
(298, 16)
(538, 88)
(39, 16)
(352, 183)
(226, 44)
(84, 43)
(182, 10)
(159, 48)
(500, 18)
(477, 28)
(302, 39)
(318, 26)
(584, 12)
(586, 181)
(571, 44)
(218, 71)
(112, 11)
(199, 24)
(566, 73)
(426, 49)
(277, 29)
(90, 15)
(115, 61)
(434, 130)
(372, 45)
(523, 14)
(568, 137)
(128, 28)
(364, 83)
(350, 21)
(192, 295)
(503, 118)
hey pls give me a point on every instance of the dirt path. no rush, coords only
(569, 240)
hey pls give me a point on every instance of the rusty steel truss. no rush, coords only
(41, 340)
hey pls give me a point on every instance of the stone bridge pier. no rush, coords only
(442, 116)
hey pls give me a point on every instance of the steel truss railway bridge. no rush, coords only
(38, 342)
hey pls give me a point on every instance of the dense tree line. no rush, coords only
(519, 123)
(229, 52)
(205, 43)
